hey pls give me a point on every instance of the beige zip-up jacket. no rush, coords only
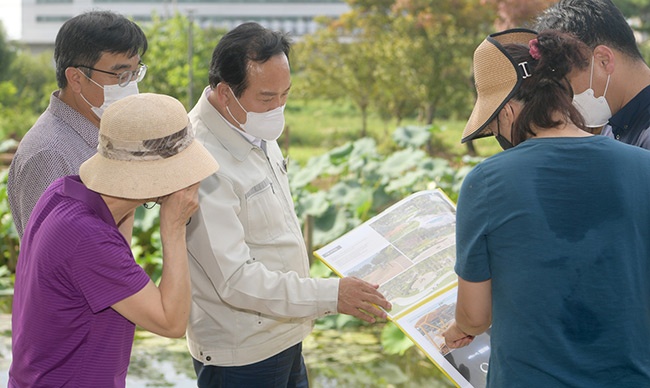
(252, 296)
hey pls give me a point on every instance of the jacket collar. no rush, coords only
(234, 142)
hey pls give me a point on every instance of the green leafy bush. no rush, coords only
(9, 243)
(351, 183)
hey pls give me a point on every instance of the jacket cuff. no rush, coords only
(328, 290)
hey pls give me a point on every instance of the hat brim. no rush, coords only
(491, 55)
(148, 179)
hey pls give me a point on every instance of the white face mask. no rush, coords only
(267, 125)
(595, 111)
(112, 93)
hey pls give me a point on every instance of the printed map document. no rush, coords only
(410, 250)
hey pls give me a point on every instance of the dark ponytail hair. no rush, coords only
(547, 91)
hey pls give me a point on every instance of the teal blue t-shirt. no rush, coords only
(561, 226)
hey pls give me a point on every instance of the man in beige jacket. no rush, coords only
(253, 299)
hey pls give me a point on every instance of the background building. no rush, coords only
(41, 19)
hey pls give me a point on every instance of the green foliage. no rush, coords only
(25, 92)
(323, 122)
(146, 243)
(444, 35)
(396, 58)
(394, 340)
(638, 11)
(334, 358)
(517, 13)
(168, 53)
(412, 136)
(338, 322)
(351, 183)
(7, 53)
(355, 358)
(9, 241)
(34, 79)
(152, 357)
(331, 68)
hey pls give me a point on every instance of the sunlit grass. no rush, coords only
(301, 154)
(315, 127)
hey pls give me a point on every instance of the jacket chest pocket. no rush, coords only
(264, 215)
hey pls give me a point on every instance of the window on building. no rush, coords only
(52, 18)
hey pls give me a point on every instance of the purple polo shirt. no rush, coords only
(73, 265)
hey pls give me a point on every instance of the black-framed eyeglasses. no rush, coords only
(124, 77)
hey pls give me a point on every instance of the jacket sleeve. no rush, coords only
(216, 241)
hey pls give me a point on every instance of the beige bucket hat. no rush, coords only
(497, 77)
(146, 150)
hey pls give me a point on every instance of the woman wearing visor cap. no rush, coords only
(553, 236)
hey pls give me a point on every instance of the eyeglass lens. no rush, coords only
(131, 75)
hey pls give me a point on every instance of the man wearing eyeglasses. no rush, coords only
(98, 61)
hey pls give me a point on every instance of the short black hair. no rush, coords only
(248, 42)
(594, 22)
(84, 38)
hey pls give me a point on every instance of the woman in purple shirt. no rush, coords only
(79, 292)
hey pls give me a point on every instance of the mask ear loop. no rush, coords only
(91, 80)
(499, 124)
(240, 105)
(503, 142)
(498, 134)
(512, 126)
(607, 84)
(591, 77)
